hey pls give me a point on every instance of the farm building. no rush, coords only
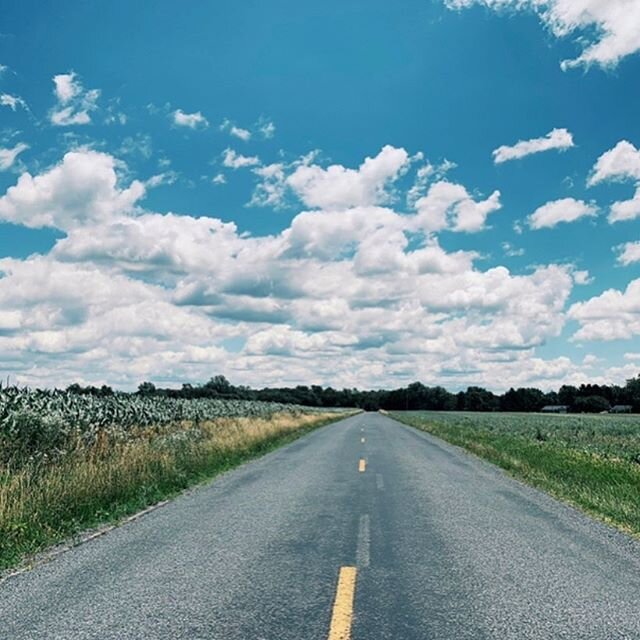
(621, 408)
(555, 408)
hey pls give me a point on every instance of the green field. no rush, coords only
(590, 461)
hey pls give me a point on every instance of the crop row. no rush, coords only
(38, 422)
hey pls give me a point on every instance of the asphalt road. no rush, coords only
(445, 547)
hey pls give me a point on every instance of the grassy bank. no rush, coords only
(44, 502)
(592, 462)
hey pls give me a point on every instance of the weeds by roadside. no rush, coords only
(47, 498)
(592, 466)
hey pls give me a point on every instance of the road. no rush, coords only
(428, 543)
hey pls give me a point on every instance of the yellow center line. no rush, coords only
(362, 440)
(343, 605)
(362, 465)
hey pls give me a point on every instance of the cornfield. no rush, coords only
(46, 423)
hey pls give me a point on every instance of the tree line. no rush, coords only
(586, 398)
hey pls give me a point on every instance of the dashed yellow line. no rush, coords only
(362, 466)
(342, 615)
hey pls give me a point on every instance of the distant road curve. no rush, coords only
(364, 529)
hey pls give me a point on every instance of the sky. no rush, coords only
(354, 194)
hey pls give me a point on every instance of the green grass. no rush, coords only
(44, 504)
(591, 462)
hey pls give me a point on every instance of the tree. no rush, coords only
(146, 389)
(479, 399)
(591, 404)
(219, 385)
(567, 394)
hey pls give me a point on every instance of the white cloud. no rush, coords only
(152, 242)
(237, 132)
(626, 209)
(424, 175)
(67, 87)
(612, 315)
(629, 253)
(337, 186)
(582, 277)
(219, 178)
(267, 129)
(607, 28)
(235, 160)
(620, 163)
(74, 103)
(347, 295)
(557, 211)
(82, 189)
(555, 139)
(8, 156)
(271, 191)
(449, 206)
(13, 102)
(191, 120)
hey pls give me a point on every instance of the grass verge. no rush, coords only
(43, 504)
(607, 488)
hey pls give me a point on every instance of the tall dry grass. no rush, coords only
(41, 504)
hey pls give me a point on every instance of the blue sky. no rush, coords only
(184, 192)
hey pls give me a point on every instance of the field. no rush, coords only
(590, 461)
(69, 462)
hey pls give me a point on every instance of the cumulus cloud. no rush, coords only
(354, 292)
(8, 156)
(555, 139)
(425, 174)
(607, 28)
(565, 210)
(612, 315)
(626, 209)
(581, 276)
(629, 253)
(620, 163)
(74, 104)
(234, 130)
(449, 206)
(81, 189)
(235, 160)
(337, 186)
(190, 120)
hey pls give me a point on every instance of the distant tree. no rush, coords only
(567, 394)
(523, 399)
(631, 393)
(219, 385)
(75, 388)
(146, 388)
(479, 399)
(590, 404)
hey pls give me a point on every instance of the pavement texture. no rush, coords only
(445, 545)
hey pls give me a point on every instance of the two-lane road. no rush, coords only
(428, 542)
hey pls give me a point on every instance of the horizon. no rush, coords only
(345, 196)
